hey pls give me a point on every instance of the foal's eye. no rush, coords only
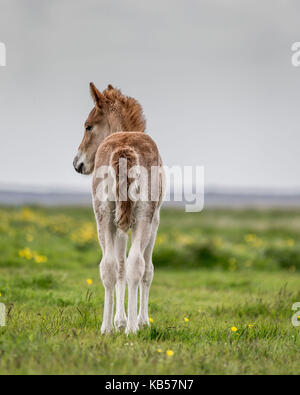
(88, 127)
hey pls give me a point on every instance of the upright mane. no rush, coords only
(129, 110)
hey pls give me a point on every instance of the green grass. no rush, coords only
(220, 269)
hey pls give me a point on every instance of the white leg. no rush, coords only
(135, 269)
(106, 326)
(143, 318)
(108, 271)
(108, 275)
(120, 251)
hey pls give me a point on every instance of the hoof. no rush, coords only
(106, 331)
(131, 330)
(120, 324)
(142, 322)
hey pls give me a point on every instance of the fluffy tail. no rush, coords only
(124, 205)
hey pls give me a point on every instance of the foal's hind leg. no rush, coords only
(120, 251)
(135, 269)
(107, 234)
(143, 318)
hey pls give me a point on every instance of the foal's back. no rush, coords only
(142, 144)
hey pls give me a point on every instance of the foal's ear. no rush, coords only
(110, 87)
(96, 95)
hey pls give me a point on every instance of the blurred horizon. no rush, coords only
(213, 198)
(85, 188)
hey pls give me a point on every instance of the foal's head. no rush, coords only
(97, 128)
(113, 112)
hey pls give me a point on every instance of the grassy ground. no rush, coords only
(220, 302)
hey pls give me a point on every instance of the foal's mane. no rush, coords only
(129, 109)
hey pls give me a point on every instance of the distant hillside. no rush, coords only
(51, 198)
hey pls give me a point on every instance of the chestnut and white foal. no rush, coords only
(114, 132)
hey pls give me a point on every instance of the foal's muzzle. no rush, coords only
(79, 165)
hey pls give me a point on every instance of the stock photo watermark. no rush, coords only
(173, 184)
(2, 55)
(296, 54)
(296, 316)
(2, 315)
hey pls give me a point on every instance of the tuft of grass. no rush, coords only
(47, 281)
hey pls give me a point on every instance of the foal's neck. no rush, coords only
(118, 124)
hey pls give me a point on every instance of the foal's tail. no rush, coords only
(124, 205)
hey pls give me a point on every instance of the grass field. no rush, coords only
(220, 302)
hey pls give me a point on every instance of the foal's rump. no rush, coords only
(132, 156)
(124, 159)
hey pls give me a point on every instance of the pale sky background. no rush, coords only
(214, 77)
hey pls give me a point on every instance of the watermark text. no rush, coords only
(295, 319)
(296, 54)
(170, 184)
(2, 315)
(2, 55)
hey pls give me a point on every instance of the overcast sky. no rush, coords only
(214, 77)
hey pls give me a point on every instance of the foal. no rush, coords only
(114, 132)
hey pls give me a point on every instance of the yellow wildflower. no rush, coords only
(25, 253)
(186, 319)
(170, 353)
(29, 255)
(234, 328)
(218, 242)
(27, 215)
(29, 238)
(161, 239)
(250, 238)
(159, 350)
(258, 243)
(185, 239)
(89, 281)
(39, 258)
(290, 243)
(85, 234)
(151, 320)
